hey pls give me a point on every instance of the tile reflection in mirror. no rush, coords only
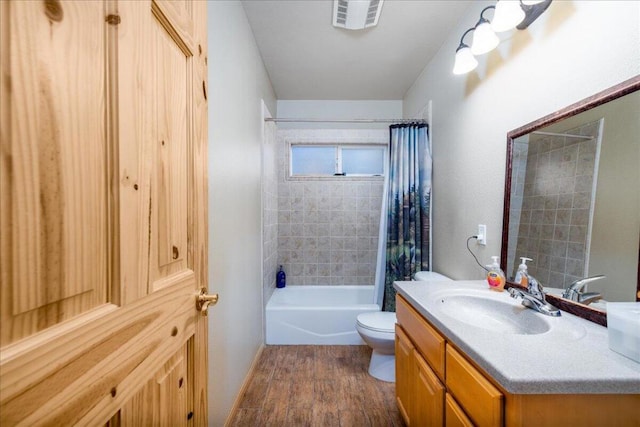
(574, 204)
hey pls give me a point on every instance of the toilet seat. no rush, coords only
(377, 321)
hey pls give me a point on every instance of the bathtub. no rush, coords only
(320, 315)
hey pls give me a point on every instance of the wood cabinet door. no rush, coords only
(428, 405)
(482, 402)
(454, 416)
(405, 374)
(103, 223)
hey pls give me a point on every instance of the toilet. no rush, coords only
(430, 276)
(377, 330)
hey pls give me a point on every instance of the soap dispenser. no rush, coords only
(281, 278)
(495, 277)
(522, 276)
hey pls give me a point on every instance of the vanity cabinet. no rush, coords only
(419, 392)
(422, 388)
(438, 385)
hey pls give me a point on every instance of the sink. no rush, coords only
(492, 314)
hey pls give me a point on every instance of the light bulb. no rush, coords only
(507, 15)
(465, 61)
(484, 39)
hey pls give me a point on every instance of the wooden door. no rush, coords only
(103, 219)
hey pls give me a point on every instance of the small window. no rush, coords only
(323, 160)
(313, 160)
(363, 161)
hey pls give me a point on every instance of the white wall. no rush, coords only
(575, 49)
(616, 218)
(321, 109)
(237, 83)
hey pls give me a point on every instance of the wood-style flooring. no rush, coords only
(316, 386)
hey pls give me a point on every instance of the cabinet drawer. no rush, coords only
(482, 402)
(426, 339)
(454, 415)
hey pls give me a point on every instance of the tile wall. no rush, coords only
(557, 204)
(518, 175)
(269, 209)
(328, 229)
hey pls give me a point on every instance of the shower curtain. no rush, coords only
(408, 196)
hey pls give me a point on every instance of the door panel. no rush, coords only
(85, 373)
(170, 384)
(103, 222)
(54, 189)
(170, 168)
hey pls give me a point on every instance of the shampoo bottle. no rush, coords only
(281, 278)
(495, 277)
(522, 276)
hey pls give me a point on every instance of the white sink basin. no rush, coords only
(492, 314)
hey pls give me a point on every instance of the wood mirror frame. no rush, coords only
(614, 92)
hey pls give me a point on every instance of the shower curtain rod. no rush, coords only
(274, 119)
(562, 134)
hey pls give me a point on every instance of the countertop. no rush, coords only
(572, 357)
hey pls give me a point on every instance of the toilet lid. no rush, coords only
(381, 321)
(430, 276)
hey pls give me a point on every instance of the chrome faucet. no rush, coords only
(534, 298)
(575, 291)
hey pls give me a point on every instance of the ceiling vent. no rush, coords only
(356, 14)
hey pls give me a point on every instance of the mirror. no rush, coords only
(572, 199)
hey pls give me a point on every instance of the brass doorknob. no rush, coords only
(203, 301)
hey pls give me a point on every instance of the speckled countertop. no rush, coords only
(572, 356)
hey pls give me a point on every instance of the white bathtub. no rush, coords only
(317, 314)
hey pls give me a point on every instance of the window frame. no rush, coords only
(339, 146)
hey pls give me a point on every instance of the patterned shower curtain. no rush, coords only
(409, 196)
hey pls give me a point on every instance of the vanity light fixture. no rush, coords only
(484, 39)
(465, 61)
(508, 14)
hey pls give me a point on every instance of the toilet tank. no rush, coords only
(430, 276)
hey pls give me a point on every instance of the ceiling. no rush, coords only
(307, 58)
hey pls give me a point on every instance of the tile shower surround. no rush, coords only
(556, 205)
(269, 210)
(328, 229)
(518, 174)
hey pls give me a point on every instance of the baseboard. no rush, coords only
(245, 385)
